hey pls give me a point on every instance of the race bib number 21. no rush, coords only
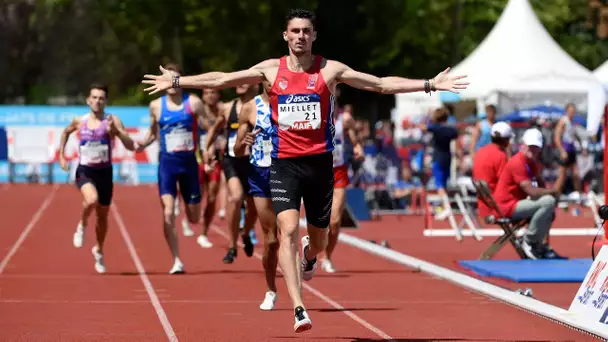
(299, 112)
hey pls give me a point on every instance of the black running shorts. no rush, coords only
(569, 161)
(310, 178)
(237, 167)
(101, 178)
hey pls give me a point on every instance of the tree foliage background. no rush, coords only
(53, 49)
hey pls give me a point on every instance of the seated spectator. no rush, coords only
(491, 159)
(407, 189)
(521, 194)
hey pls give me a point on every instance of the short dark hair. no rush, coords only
(500, 140)
(301, 14)
(99, 86)
(491, 107)
(570, 104)
(440, 115)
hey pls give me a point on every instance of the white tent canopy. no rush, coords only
(598, 99)
(602, 73)
(521, 61)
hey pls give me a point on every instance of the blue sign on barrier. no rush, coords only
(63, 115)
(135, 174)
(3, 144)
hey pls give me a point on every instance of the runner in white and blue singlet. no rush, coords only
(256, 113)
(174, 120)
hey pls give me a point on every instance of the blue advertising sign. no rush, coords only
(63, 115)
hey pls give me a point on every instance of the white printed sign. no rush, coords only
(179, 141)
(591, 300)
(94, 154)
(300, 112)
(232, 143)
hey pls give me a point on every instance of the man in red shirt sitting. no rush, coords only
(490, 160)
(520, 194)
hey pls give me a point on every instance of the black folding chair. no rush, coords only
(510, 227)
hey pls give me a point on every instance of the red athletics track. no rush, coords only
(405, 235)
(50, 291)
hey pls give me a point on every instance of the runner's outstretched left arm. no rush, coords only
(395, 85)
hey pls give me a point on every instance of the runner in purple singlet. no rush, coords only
(96, 132)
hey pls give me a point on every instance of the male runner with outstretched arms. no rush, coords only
(255, 132)
(301, 103)
(236, 170)
(97, 131)
(344, 126)
(173, 120)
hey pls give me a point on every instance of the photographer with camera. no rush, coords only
(521, 194)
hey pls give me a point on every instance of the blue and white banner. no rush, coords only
(53, 116)
(33, 138)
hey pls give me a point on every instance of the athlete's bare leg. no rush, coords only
(318, 241)
(251, 215)
(288, 222)
(233, 212)
(101, 226)
(270, 258)
(576, 179)
(334, 226)
(168, 203)
(89, 196)
(212, 192)
(223, 196)
(101, 229)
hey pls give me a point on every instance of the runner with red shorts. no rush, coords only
(344, 123)
(302, 104)
(210, 171)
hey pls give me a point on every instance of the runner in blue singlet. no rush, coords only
(173, 120)
(256, 114)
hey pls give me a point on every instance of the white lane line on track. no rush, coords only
(531, 305)
(160, 312)
(29, 227)
(323, 297)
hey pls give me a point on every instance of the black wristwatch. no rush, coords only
(175, 82)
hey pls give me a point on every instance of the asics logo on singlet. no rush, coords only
(297, 98)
